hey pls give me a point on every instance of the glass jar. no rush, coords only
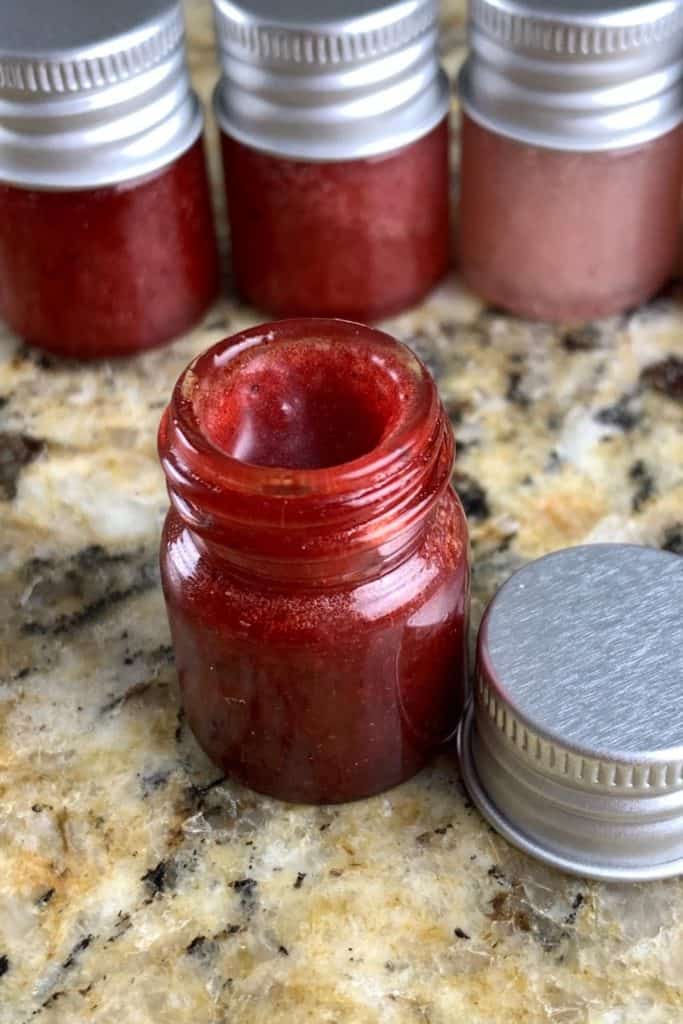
(107, 242)
(336, 154)
(315, 559)
(572, 167)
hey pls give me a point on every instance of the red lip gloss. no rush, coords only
(315, 559)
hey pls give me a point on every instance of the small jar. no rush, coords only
(336, 154)
(572, 155)
(107, 243)
(315, 559)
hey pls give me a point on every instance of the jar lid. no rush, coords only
(575, 75)
(92, 92)
(572, 746)
(329, 79)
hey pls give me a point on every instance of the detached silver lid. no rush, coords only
(573, 745)
(92, 92)
(329, 79)
(577, 74)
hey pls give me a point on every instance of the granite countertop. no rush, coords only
(138, 885)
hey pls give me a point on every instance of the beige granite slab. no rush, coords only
(138, 886)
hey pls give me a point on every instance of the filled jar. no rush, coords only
(314, 560)
(572, 155)
(335, 146)
(107, 242)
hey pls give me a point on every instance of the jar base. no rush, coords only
(92, 353)
(538, 308)
(360, 314)
(294, 795)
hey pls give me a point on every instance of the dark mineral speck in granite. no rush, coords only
(645, 486)
(159, 878)
(137, 690)
(50, 1001)
(246, 887)
(197, 945)
(16, 451)
(80, 946)
(577, 903)
(673, 539)
(624, 414)
(472, 495)
(665, 377)
(457, 408)
(515, 392)
(581, 339)
(553, 461)
(121, 926)
(299, 879)
(26, 354)
(460, 934)
(4, 964)
(154, 781)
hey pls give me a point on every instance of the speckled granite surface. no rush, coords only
(136, 885)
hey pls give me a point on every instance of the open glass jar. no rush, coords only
(572, 154)
(334, 135)
(315, 559)
(106, 233)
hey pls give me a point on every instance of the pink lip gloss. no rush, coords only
(572, 155)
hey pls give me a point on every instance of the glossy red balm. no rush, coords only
(315, 559)
(334, 134)
(356, 238)
(107, 243)
(92, 273)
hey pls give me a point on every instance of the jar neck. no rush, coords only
(575, 81)
(343, 489)
(348, 92)
(92, 124)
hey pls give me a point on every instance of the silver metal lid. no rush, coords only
(573, 745)
(92, 92)
(575, 75)
(329, 79)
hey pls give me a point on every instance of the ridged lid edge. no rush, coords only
(73, 74)
(583, 34)
(325, 46)
(553, 758)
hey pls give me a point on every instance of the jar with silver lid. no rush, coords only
(107, 243)
(572, 154)
(333, 116)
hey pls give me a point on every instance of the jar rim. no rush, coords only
(320, 515)
(285, 481)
